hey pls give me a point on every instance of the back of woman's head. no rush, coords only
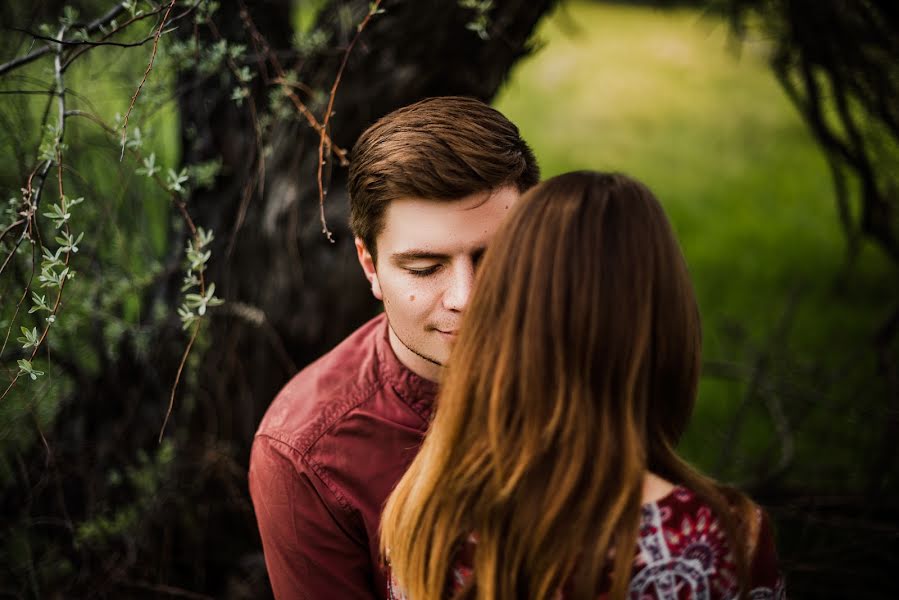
(585, 290)
(575, 371)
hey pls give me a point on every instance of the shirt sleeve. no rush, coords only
(309, 553)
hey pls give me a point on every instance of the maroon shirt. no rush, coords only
(330, 449)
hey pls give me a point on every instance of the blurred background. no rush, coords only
(174, 246)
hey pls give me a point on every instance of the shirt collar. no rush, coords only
(413, 389)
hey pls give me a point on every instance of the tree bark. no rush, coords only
(291, 293)
(310, 291)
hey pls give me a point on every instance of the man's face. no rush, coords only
(427, 255)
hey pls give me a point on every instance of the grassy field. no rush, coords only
(668, 97)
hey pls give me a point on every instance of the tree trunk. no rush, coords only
(310, 291)
(291, 293)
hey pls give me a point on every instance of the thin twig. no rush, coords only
(321, 142)
(27, 92)
(282, 80)
(168, 412)
(15, 314)
(146, 74)
(339, 152)
(10, 228)
(46, 38)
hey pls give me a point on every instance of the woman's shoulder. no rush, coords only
(680, 532)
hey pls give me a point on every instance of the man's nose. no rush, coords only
(459, 289)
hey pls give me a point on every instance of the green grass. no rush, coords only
(669, 98)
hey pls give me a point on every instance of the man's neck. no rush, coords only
(415, 363)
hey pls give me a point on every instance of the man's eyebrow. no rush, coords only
(410, 255)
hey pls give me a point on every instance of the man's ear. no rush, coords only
(368, 266)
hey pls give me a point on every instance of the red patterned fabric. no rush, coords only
(682, 554)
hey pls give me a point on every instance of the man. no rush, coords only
(429, 185)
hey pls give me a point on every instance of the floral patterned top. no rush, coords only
(682, 554)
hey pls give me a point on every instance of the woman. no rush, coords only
(550, 469)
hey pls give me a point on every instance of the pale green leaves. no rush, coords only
(51, 143)
(481, 20)
(40, 303)
(49, 276)
(67, 243)
(197, 258)
(25, 367)
(204, 238)
(135, 140)
(30, 338)
(149, 169)
(69, 16)
(59, 213)
(131, 7)
(239, 94)
(203, 174)
(200, 302)
(197, 302)
(175, 182)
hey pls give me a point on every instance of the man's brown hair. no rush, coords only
(442, 148)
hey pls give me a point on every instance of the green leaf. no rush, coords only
(29, 338)
(58, 214)
(25, 367)
(149, 169)
(176, 181)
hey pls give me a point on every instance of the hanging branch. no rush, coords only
(323, 139)
(65, 274)
(146, 73)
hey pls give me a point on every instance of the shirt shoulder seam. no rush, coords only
(313, 467)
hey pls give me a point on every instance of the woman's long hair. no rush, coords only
(574, 373)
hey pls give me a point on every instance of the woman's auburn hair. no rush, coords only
(574, 373)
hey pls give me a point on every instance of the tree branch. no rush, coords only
(36, 54)
(144, 78)
(83, 42)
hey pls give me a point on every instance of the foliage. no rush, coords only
(839, 64)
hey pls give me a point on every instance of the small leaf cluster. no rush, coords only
(132, 7)
(481, 20)
(311, 42)
(26, 368)
(205, 10)
(30, 338)
(60, 213)
(54, 271)
(50, 144)
(197, 301)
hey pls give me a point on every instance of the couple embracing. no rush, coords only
(560, 322)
